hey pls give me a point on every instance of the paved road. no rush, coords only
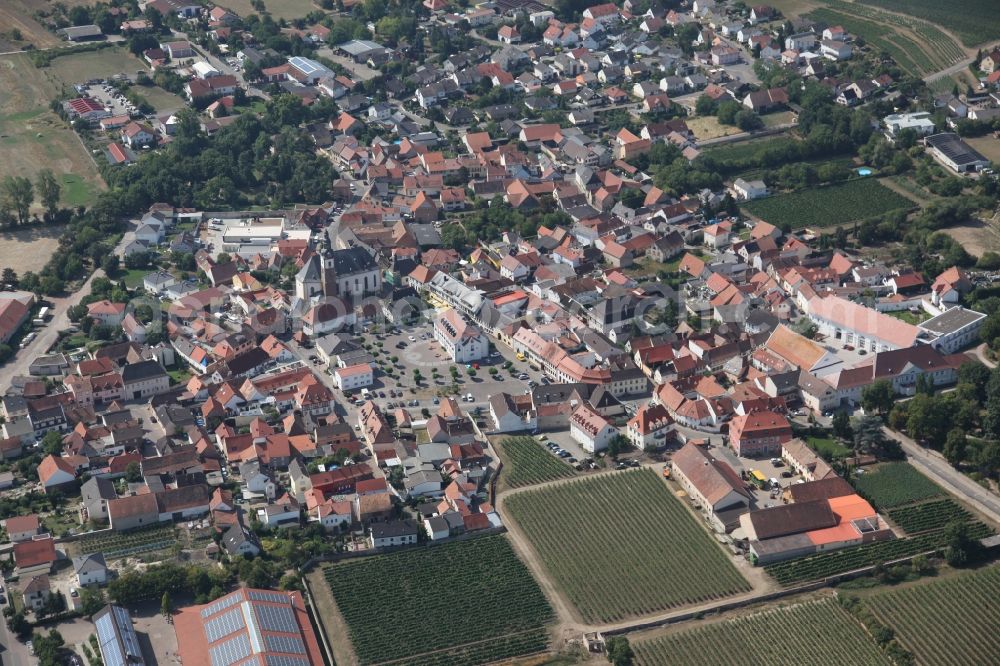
(980, 352)
(936, 467)
(954, 69)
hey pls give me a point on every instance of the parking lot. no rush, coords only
(423, 353)
(111, 98)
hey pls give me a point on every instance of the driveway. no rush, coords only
(359, 71)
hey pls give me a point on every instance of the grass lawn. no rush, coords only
(179, 375)
(80, 67)
(162, 100)
(826, 446)
(621, 545)
(60, 524)
(742, 150)
(910, 317)
(838, 204)
(133, 277)
(780, 118)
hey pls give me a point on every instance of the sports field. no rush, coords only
(621, 545)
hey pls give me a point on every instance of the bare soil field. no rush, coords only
(28, 248)
(707, 127)
(976, 237)
(33, 137)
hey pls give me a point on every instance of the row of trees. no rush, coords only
(17, 193)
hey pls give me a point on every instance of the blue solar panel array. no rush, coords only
(264, 595)
(282, 660)
(118, 643)
(224, 624)
(291, 644)
(222, 604)
(230, 652)
(277, 618)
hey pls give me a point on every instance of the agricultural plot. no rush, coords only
(125, 544)
(800, 635)
(946, 622)
(814, 567)
(465, 602)
(621, 545)
(928, 516)
(941, 49)
(527, 462)
(978, 21)
(841, 203)
(895, 484)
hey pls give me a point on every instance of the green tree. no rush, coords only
(52, 443)
(705, 106)
(9, 277)
(956, 446)
(18, 193)
(133, 472)
(842, 425)
(91, 600)
(49, 190)
(166, 604)
(619, 651)
(617, 444)
(961, 549)
(877, 396)
(48, 647)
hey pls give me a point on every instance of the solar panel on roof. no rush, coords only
(231, 651)
(292, 644)
(263, 595)
(282, 660)
(111, 653)
(222, 604)
(224, 624)
(277, 618)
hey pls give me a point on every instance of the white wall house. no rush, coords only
(463, 342)
(353, 377)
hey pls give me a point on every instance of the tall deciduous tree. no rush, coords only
(49, 190)
(18, 193)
